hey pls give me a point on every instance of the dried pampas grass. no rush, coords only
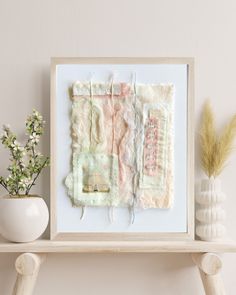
(215, 150)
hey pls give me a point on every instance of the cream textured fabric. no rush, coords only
(122, 145)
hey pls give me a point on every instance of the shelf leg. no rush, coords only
(27, 266)
(209, 265)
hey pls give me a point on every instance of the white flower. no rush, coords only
(20, 148)
(22, 164)
(24, 181)
(6, 127)
(34, 138)
(37, 115)
(9, 177)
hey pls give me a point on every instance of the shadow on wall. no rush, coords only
(8, 273)
(45, 110)
(122, 278)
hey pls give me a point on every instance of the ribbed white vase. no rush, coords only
(210, 215)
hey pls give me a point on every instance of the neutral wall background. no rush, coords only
(33, 31)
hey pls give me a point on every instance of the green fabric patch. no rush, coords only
(94, 181)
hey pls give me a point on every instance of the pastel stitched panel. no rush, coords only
(100, 129)
(122, 145)
(156, 161)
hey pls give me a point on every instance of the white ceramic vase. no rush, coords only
(210, 215)
(23, 219)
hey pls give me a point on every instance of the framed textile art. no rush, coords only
(122, 148)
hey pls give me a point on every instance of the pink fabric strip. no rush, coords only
(150, 147)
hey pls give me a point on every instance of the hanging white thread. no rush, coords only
(111, 214)
(82, 212)
(111, 208)
(83, 208)
(132, 207)
(91, 112)
(132, 214)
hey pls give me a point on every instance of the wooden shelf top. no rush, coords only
(47, 246)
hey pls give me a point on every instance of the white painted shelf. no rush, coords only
(47, 246)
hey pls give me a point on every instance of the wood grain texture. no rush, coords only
(213, 285)
(209, 265)
(189, 234)
(46, 246)
(27, 267)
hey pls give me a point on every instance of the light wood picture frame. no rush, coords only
(176, 223)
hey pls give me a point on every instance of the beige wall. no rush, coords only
(33, 31)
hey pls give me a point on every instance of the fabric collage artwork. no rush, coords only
(122, 145)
